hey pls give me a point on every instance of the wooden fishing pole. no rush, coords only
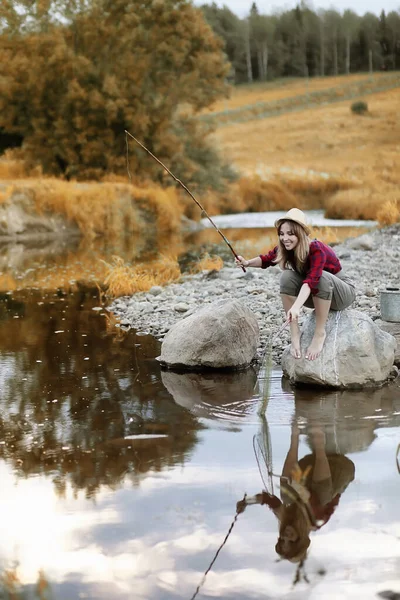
(186, 190)
(216, 554)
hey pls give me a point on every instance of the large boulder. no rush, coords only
(356, 353)
(221, 335)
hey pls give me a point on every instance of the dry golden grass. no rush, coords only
(283, 88)
(389, 213)
(208, 263)
(107, 209)
(335, 235)
(324, 148)
(124, 280)
(12, 167)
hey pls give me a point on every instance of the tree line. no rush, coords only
(302, 42)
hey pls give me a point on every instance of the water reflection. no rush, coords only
(223, 396)
(310, 487)
(49, 263)
(121, 481)
(334, 424)
(80, 407)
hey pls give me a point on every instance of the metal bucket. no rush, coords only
(390, 304)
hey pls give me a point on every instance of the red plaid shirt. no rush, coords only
(320, 258)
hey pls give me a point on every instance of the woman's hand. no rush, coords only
(241, 262)
(293, 314)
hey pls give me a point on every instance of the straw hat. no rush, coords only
(296, 215)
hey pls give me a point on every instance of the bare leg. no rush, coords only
(292, 460)
(322, 469)
(321, 315)
(295, 350)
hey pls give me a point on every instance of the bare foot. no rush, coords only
(295, 349)
(315, 348)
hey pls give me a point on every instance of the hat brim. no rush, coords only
(278, 222)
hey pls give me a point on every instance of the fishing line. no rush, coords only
(186, 190)
(217, 552)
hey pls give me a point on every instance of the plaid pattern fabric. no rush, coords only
(320, 258)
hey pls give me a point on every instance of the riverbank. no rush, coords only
(371, 260)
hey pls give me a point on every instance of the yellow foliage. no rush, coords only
(12, 169)
(377, 201)
(164, 203)
(110, 209)
(389, 213)
(260, 195)
(335, 235)
(124, 280)
(7, 283)
(208, 263)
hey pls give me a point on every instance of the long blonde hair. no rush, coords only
(297, 258)
(294, 515)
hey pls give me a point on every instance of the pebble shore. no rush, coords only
(371, 260)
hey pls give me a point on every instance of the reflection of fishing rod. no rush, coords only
(216, 554)
(186, 190)
(397, 458)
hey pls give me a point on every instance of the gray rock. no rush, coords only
(364, 242)
(156, 290)
(145, 308)
(181, 307)
(356, 353)
(220, 335)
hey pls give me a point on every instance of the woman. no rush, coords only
(310, 490)
(312, 276)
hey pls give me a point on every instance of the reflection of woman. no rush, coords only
(310, 491)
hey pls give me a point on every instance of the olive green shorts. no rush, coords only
(338, 288)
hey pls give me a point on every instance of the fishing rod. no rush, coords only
(186, 190)
(217, 552)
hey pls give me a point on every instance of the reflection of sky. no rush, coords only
(157, 540)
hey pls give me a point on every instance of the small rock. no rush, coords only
(181, 307)
(155, 290)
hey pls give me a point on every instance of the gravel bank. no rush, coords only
(371, 260)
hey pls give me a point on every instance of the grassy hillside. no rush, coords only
(250, 94)
(323, 144)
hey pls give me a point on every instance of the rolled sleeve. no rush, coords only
(267, 260)
(317, 260)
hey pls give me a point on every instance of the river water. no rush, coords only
(121, 481)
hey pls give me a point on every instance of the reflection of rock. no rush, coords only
(212, 394)
(356, 353)
(350, 417)
(218, 336)
(19, 219)
(17, 256)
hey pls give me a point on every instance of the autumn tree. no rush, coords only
(101, 67)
